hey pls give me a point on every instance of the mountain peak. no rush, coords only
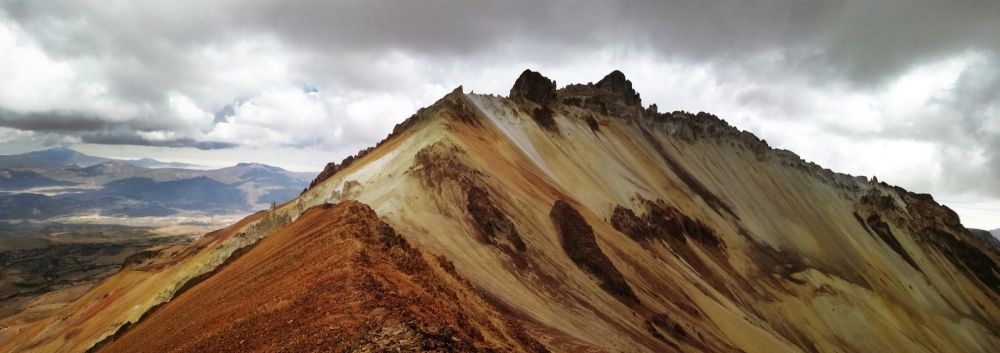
(256, 165)
(51, 157)
(612, 96)
(533, 86)
(616, 84)
(701, 214)
(60, 151)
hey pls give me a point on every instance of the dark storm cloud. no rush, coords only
(127, 137)
(52, 121)
(94, 129)
(862, 40)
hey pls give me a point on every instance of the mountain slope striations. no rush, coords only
(597, 225)
(751, 248)
(336, 279)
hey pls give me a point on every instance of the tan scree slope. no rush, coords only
(601, 225)
(336, 279)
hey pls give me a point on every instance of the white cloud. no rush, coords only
(319, 78)
(26, 70)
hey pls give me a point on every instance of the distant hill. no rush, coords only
(132, 197)
(141, 187)
(26, 179)
(50, 158)
(113, 169)
(61, 157)
(152, 163)
(200, 193)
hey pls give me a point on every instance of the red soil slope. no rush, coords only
(337, 279)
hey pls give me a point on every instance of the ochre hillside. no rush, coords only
(336, 279)
(569, 220)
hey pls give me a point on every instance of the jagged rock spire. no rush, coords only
(533, 86)
(616, 83)
(612, 96)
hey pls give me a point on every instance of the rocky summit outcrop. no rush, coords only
(534, 87)
(611, 96)
(583, 223)
(616, 84)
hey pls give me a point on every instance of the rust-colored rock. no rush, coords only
(337, 279)
(626, 221)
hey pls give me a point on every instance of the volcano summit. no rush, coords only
(563, 220)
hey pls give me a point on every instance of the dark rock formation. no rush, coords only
(580, 244)
(964, 256)
(328, 171)
(495, 227)
(616, 84)
(443, 161)
(663, 321)
(332, 168)
(626, 221)
(939, 227)
(612, 96)
(543, 116)
(534, 87)
(877, 225)
(139, 257)
(663, 222)
(593, 124)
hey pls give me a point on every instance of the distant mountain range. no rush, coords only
(26, 179)
(65, 157)
(152, 163)
(61, 181)
(50, 158)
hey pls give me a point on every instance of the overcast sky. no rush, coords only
(907, 90)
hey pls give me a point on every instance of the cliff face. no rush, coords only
(599, 225)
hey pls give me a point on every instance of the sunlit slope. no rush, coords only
(804, 259)
(602, 225)
(337, 279)
(128, 295)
